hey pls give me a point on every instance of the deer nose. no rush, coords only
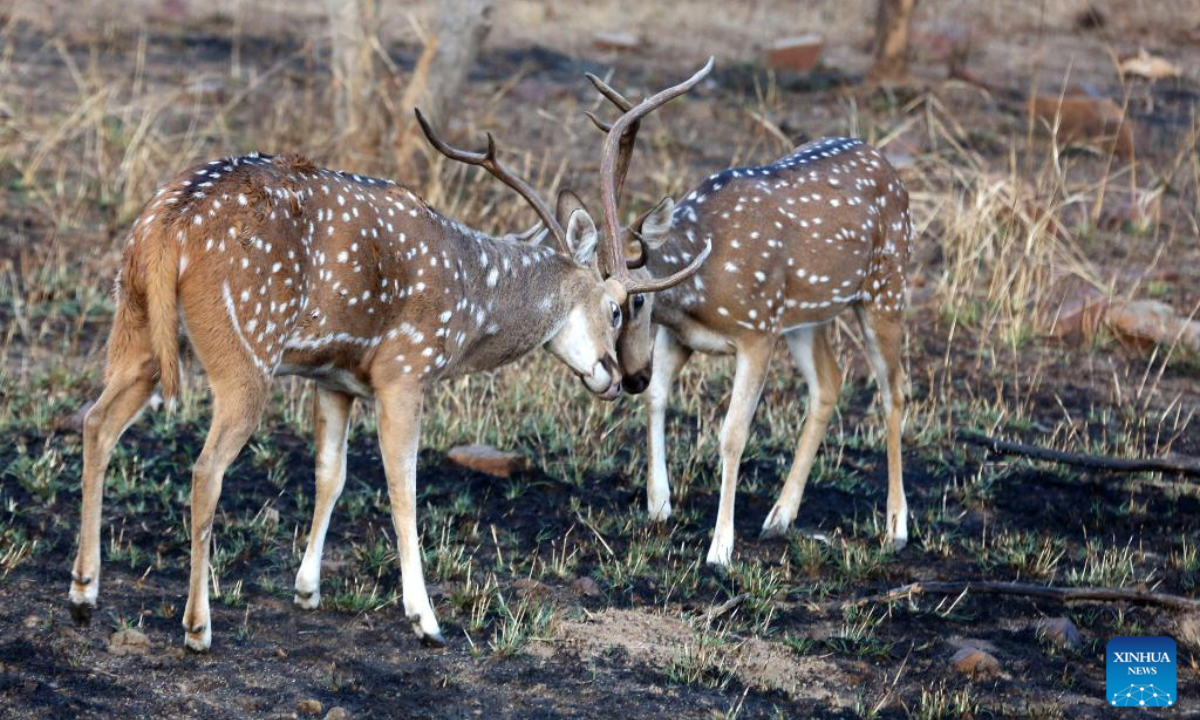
(636, 382)
(609, 363)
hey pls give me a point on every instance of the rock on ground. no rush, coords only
(488, 460)
(1060, 631)
(975, 663)
(129, 642)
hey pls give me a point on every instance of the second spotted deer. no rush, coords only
(794, 244)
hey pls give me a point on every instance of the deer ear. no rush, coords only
(655, 224)
(568, 202)
(582, 236)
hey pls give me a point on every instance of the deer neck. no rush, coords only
(516, 296)
(685, 241)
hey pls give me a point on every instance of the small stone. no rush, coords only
(1146, 323)
(309, 707)
(281, 654)
(959, 643)
(488, 460)
(1148, 67)
(616, 41)
(32, 622)
(586, 586)
(1060, 631)
(337, 713)
(795, 53)
(975, 663)
(129, 642)
(528, 587)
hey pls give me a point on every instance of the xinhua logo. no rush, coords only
(1141, 671)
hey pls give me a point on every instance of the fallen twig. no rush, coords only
(1060, 594)
(596, 532)
(725, 608)
(1180, 465)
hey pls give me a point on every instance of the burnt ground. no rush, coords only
(509, 560)
(361, 655)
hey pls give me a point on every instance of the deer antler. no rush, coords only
(627, 139)
(612, 252)
(488, 161)
(626, 148)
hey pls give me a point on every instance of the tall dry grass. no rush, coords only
(999, 236)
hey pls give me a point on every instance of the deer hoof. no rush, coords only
(82, 611)
(307, 601)
(198, 641)
(774, 532)
(660, 513)
(432, 640)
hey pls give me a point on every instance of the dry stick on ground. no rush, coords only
(725, 608)
(1181, 465)
(1093, 594)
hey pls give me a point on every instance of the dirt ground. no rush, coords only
(557, 597)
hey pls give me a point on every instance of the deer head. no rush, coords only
(600, 285)
(631, 245)
(585, 341)
(635, 344)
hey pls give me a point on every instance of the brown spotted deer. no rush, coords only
(273, 266)
(794, 243)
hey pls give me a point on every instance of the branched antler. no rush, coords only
(613, 165)
(489, 161)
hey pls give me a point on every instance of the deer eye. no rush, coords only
(616, 314)
(638, 301)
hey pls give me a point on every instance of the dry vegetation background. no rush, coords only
(557, 599)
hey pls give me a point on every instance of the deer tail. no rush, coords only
(161, 285)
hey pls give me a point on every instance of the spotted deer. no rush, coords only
(795, 243)
(274, 266)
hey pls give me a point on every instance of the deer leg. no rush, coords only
(753, 359)
(884, 339)
(815, 358)
(398, 408)
(331, 414)
(237, 406)
(669, 357)
(126, 393)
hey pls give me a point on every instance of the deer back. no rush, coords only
(318, 272)
(794, 242)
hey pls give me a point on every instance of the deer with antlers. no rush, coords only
(273, 266)
(795, 243)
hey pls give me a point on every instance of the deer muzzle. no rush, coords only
(605, 379)
(636, 383)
